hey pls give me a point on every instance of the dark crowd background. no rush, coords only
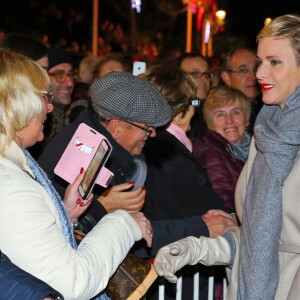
(159, 30)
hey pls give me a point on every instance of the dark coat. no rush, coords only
(121, 163)
(198, 125)
(17, 284)
(177, 185)
(222, 167)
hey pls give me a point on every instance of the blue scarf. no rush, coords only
(241, 151)
(43, 180)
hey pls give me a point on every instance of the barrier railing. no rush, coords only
(211, 287)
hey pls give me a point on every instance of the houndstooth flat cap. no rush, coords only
(128, 97)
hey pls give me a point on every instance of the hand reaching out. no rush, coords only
(117, 197)
(217, 221)
(190, 251)
(175, 256)
(145, 226)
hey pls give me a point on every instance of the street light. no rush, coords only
(95, 27)
(221, 15)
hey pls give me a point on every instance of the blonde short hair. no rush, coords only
(221, 96)
(286, 26)
(21, 84)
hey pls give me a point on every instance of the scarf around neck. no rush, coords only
(180, 135)
(241, 151)
(43, 180)
(277, 134)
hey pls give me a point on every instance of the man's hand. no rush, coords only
(217, 221)
(145, 226)
(117, 197)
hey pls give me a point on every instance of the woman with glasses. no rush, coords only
(264, 253)
(36, 226)
(224, 147)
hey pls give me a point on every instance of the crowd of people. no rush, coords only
(205, 171)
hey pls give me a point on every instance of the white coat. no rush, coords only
(31, 235)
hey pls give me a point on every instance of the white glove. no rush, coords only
(190, 251)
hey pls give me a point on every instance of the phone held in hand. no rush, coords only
(139, 67)
(94, 168)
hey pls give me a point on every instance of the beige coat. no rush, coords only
(31, 235)
(289, 281)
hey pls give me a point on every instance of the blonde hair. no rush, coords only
(177, 87)
(286, 26)
(21, 84)
(222, 96)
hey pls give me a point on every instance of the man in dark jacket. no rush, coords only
(126, 110)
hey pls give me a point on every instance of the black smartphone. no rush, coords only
(94, 168)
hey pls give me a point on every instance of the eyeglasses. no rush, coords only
(243, 71)
(61, 77)
(48, 95)
(198, 74)
(146, 128)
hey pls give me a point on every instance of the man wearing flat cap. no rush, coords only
(126, 110)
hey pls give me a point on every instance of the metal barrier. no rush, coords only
(211, 280)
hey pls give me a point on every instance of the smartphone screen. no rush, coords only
(139, 67)
(90, 176)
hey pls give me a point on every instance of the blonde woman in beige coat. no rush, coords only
(264, 253)
(35, 226)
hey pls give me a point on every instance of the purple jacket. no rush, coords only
(222, 167)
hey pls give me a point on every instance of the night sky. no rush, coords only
(247, 16)
(244, 17)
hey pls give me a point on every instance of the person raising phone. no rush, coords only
(35, 225)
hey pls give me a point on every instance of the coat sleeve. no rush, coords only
(169, 231)
(31, 235)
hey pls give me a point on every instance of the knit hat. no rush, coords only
(24, 45)
(128, 97)
(58, 56)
